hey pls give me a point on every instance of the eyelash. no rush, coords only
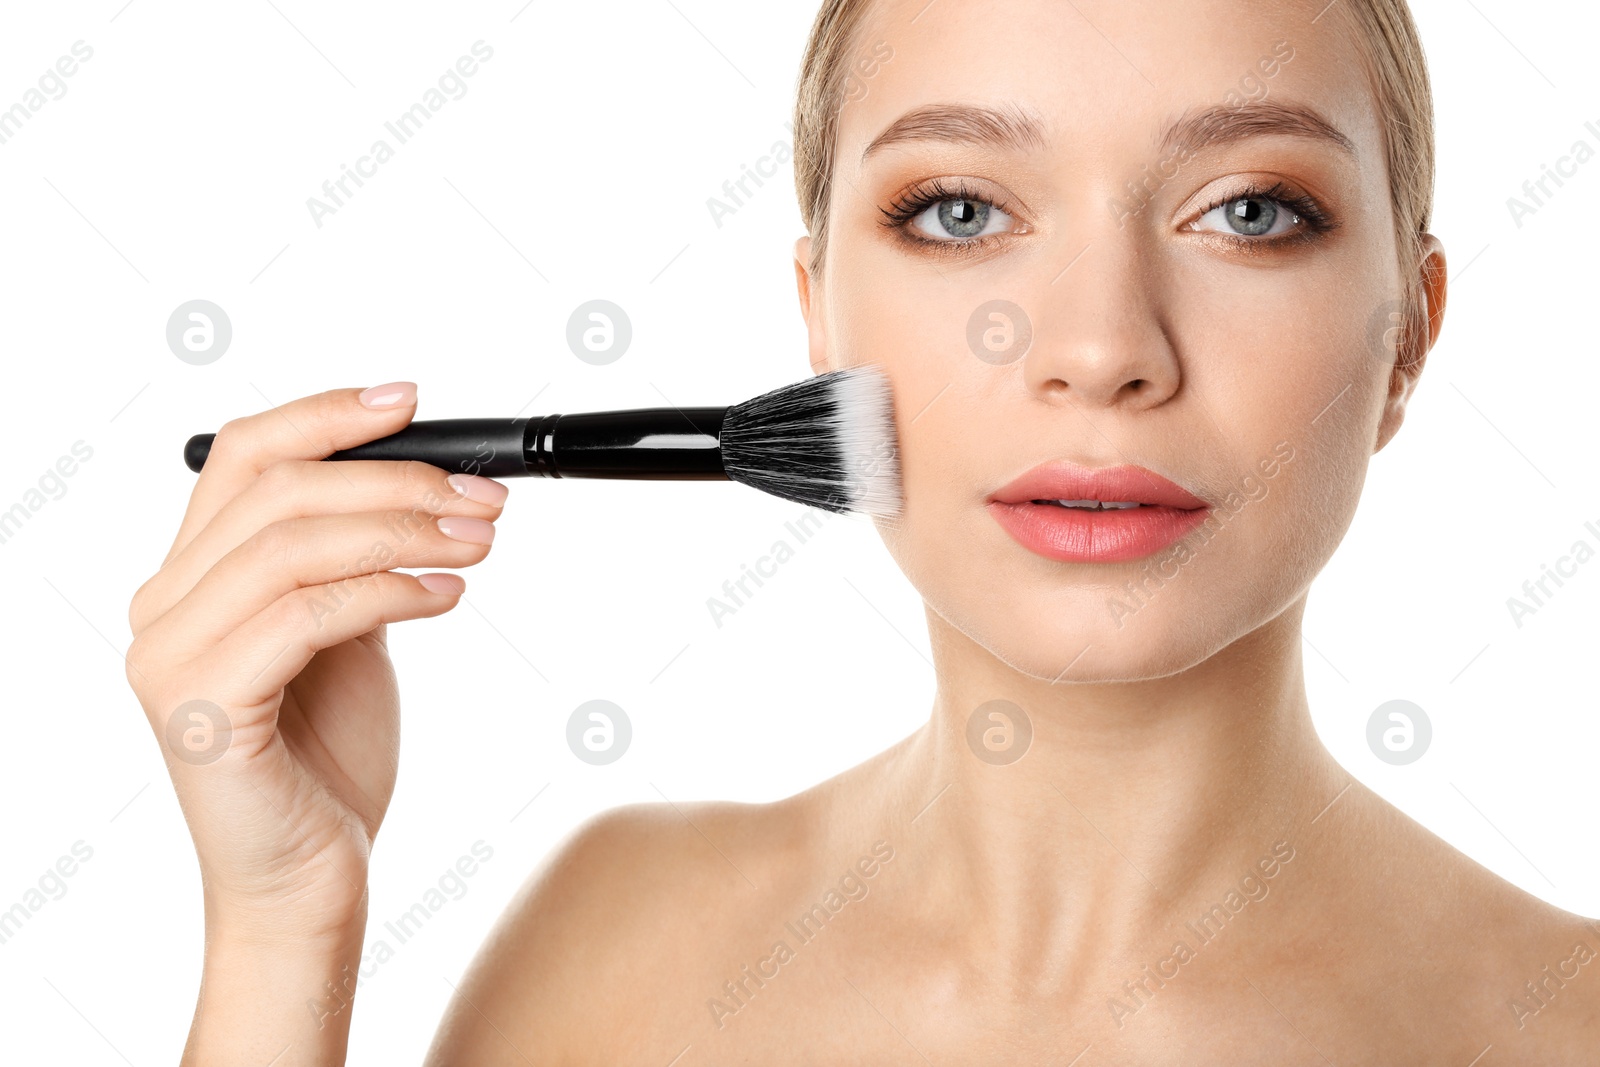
(919, 198)
(914, 201)
(1317, 220)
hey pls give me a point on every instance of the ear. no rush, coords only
(811, 308)
(1403, 379)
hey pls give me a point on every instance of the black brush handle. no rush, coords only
(675, 443)
(666, 443)
(491, 447)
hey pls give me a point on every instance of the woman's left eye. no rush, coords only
(1249, 216)
(959, 220)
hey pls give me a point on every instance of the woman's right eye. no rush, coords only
(961, 220)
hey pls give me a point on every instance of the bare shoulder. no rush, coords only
(624, 915)
(1520, 973)
(1545, 967)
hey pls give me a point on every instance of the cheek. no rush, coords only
(1288, 416)
(917, 339)
(1297, 355)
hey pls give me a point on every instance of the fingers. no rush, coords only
(336, 553)
(292, 488)
(308, 428)
(251, 665)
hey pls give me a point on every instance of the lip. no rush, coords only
(1169, 512)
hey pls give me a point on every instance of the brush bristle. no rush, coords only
(828, 442)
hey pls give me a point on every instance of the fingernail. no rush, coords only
(389, 395)
(442, 583)
(475, 531)
(476, 487)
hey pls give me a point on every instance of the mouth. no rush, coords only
(1076, 514)
(1094, 505)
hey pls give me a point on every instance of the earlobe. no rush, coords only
(811, 308)
(802, 275)
(1435, 284)
(1431, 292)
(1401, 384)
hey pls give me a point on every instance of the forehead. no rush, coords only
(1112, 73)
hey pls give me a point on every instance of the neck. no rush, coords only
(1131, 803)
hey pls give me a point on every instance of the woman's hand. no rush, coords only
(260, 656)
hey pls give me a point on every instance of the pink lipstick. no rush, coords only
(1095, 515)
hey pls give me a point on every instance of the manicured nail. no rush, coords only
(476, 487)
(389, 395)
(461, 528)
(442, 583)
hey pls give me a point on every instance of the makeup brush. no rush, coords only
(828, 442)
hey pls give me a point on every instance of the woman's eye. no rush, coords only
(953, 220)
(1249, 216)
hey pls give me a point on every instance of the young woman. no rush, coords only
(1164, 253)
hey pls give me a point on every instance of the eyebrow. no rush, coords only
(1008, 127)
(1016, 129)
(1228, 124)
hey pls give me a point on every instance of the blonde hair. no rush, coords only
(1397, 73)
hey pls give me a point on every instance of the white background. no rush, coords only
(177, 166)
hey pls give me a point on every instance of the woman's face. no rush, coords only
(1213, 307)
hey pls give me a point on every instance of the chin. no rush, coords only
(1072, 624)
(1075, 640)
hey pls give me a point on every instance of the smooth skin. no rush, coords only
(1023, 912)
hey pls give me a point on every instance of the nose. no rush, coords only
(1099, 338)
